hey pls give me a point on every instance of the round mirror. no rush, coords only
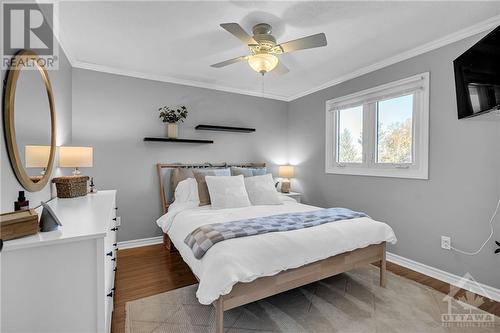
(30, 124)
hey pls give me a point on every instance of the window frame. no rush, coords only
(418, 85)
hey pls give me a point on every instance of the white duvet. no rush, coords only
(248, 258)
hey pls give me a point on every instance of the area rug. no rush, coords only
(349, 302)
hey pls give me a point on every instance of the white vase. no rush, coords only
(172, 130)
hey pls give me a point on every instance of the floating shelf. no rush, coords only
(224, 128)
(162, 139)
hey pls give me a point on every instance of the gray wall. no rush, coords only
(464, 169)
(114, 113)
(61, 86)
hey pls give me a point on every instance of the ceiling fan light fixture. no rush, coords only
(263, 62)
(263, 47)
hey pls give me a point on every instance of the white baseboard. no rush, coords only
(467, 283)
(464, 283)
(140, 242)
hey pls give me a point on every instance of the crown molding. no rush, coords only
(170, 79)
(449, 39)
(433, 45)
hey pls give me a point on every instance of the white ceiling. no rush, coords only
(177, 41)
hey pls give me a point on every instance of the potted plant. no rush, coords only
(173, 116)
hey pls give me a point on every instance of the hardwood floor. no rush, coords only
(150, 270)
(146, 271)
(489, 305)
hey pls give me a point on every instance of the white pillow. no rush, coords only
(187, 191)
(227, 191)
(261, 190)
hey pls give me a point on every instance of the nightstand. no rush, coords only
(295, 195)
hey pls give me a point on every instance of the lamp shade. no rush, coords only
(37, 156)
(263, 62)
(286, 171)
(75, 157)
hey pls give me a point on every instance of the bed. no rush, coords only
(243, 270)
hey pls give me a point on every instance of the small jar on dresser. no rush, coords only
(63, 280)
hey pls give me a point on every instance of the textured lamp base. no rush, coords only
(285, 186)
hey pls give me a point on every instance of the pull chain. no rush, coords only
(262, 84)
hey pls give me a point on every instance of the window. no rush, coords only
(382, 131)
(394, 130)
(350, 143)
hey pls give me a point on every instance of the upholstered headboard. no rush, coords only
(165, 172)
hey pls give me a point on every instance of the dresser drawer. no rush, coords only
(110, 292)
(109, 311)
(109, 274)
(110, 261)
(110, 239)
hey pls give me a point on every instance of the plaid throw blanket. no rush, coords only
(204, 237)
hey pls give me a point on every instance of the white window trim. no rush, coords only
(419, 168)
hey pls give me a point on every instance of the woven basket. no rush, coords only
(71, 186)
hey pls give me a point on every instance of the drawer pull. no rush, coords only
(114, 229)
(114, 259)
(114, 219)
(115, 269)
(110, 253)
(115, 244)
(110, 294)
(116, 208)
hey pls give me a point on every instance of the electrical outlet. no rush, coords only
(118, 221)
(446, 242)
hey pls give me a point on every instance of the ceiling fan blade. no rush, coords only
(281, 69)
(229, 62)
(236, 30)
(308, 42)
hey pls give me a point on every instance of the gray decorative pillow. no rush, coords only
(248, 172)
(245, 172)
(219, 171)
(259, 171)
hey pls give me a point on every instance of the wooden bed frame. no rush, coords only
(244, 293)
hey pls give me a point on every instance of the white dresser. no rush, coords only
(63, 280)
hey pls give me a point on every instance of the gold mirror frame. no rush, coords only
(20, 58)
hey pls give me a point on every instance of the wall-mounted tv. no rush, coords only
(477, 77)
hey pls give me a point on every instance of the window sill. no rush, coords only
(391, 173)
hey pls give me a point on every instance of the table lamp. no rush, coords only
(75, 157)
(286, 172)
(37, 157)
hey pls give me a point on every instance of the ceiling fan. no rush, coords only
(264, 49)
